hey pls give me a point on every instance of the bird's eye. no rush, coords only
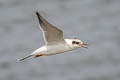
(77, 42)
(73, 42)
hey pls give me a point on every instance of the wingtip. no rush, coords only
(37, 13)
(39, 17)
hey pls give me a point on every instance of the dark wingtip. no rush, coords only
(39, 17)
(37, 13)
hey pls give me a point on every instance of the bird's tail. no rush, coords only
(24, 58)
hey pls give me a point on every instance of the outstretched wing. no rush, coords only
(52, 35)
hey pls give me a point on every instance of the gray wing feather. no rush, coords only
(52, 34)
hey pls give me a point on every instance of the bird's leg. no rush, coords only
(37, 55)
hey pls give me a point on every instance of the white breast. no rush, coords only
(55, 49)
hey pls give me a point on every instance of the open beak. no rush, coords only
(85, 45)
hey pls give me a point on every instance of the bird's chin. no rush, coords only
(79, 46)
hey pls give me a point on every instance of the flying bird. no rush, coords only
(54, 41)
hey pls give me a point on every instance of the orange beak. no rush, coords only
(84, 45)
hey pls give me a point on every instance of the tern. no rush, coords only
(54, 41)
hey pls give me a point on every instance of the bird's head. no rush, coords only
(78, 43)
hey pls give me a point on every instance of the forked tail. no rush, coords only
(24, 58)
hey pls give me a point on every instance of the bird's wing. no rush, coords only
(52, 35)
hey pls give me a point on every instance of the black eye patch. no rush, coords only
(73, 42)
(77, 42)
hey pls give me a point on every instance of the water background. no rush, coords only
(96, 22)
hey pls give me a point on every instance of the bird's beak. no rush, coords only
(85, 45)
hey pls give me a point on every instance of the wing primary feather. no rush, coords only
(51, 33)
(39, 17)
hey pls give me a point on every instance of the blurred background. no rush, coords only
(96, 22)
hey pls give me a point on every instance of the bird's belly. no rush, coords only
(52, 50)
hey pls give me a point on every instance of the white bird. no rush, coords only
(54, 41)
